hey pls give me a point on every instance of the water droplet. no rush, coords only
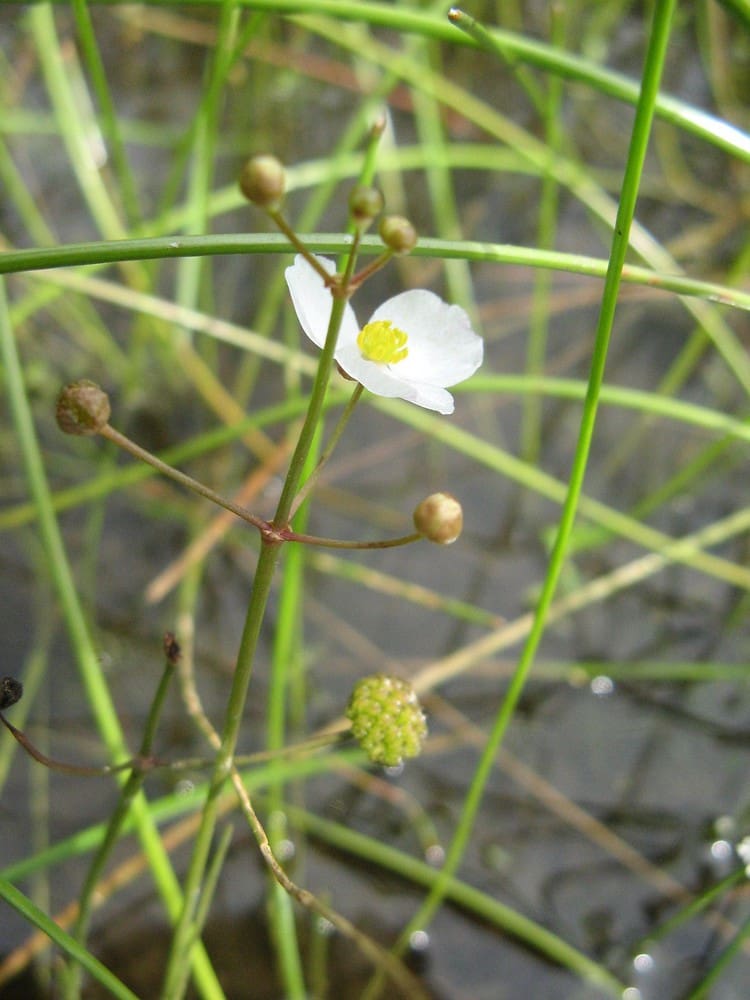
(602, 686)
(721, 850)
(285, 850)
(419, 941)
(643, 962)
(434, 856)
(324, 927)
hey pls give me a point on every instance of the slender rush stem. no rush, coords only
(88, 661)
(296, 466)
(72, 986)
(177, 970)
(654, 63)
(333, 441)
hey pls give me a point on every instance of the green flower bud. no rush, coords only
(263, 181)
(82, 408)
(398, 233)
(387, 720)
(365, 203)
(439, 518)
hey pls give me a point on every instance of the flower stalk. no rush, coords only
(413, 347)
(272, 532)
(178, 962)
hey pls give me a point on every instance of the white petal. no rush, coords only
(443, 348)
(385, 380)
(431, 397)
(312, 301)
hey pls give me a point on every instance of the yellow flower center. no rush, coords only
(382, 342)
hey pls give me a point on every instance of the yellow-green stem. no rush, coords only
(177, 970)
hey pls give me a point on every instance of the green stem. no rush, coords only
(38, 918)
(89, 666)
(654, 62)
(296, 466)
(328, 451)
(702, 990)
(299, 246)
(114, 828)
(177, 970)
(285, 714)
(110, 122)
(158, 247)
(287, 690)
(531, 423)
(570, 66)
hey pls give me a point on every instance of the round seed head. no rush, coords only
(263, 181)
(387, 719)
(439, 518)
(398, 233)
(365, 204)
(10, 692)
(82, 408)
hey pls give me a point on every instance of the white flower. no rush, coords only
(413, 346)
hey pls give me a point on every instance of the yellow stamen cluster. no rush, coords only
(382, 342)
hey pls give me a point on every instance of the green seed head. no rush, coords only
(82, 408)
(387, 720)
